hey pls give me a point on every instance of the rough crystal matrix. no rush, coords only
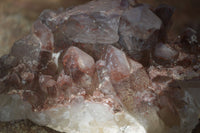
(102, 67)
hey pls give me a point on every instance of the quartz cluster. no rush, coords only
(103, 67)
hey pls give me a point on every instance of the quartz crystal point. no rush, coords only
(81, 70)
(138, 32)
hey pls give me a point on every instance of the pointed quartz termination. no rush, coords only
(76, 60)
(46, 41)
(137, 32)
(79, 65)
(48, 85)
(64, 81)
(45, 36)
(35, 50)
(117, 64)
(104, 80)
(133, 87)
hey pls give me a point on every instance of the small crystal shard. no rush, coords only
(164, 53)
(44, 34)
(117, 64)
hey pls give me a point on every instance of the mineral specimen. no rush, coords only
(101, 68)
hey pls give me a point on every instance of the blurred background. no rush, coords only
(17, 16)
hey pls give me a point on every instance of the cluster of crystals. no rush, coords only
(108, 52)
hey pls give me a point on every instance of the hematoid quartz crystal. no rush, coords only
(103, 67)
